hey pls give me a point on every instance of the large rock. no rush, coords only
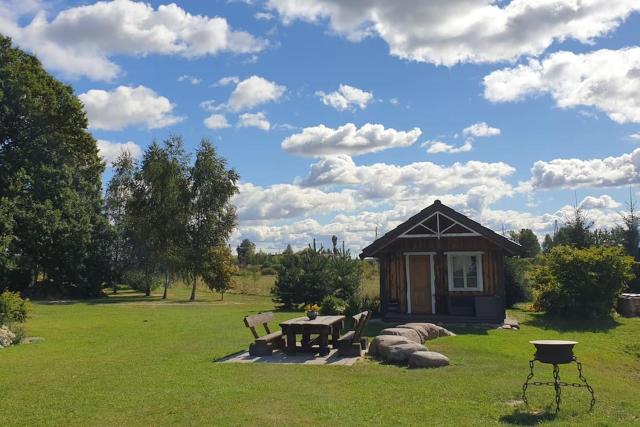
(427, 359)
(410, 334)
(427, 331)
(629, 305)
(385, 341)
(400, 353)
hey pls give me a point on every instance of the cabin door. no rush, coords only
(420, 283)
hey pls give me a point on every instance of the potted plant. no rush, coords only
(312, 310)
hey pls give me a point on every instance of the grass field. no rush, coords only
(130, 360)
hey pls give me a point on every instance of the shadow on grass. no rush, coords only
(527, 418)
(561, 324)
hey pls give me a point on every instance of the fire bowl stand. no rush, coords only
(556, 353)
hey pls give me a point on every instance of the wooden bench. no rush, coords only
(263, 345)
(353, 343)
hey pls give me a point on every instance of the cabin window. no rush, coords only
(465, 271)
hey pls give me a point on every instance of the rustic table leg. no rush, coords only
(324, 343)
(335, 336)
(306, 338)
(291, 341)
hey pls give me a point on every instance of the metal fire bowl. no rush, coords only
(555, 352)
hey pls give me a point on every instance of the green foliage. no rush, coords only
(581, 282)
(310, 275)
(13, 308)
(140, 280)
(268, 271)
(331, 305)
(51, 219)
(219, 269)
(517, 286)
(19, 332)
(528, 240)
(357, 304)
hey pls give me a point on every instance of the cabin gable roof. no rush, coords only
(426, 224)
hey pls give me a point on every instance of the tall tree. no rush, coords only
(528, 240)
(211, 216)
(117, 199)
(576, 231)
(218, 269)
(631, 229)
(547, 243)
(51, 173)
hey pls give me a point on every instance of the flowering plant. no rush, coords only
(312, 307)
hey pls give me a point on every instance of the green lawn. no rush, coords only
(127, 360)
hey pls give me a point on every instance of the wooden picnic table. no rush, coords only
(321, 325)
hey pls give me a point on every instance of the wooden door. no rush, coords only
(420, 283)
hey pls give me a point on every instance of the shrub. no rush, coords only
(581, 282)
(13, 308)
(268, 271)
(308, 276)
(18, 330)
(332, 305)
(517, 286)
(357, 304)
(137, 280)
(6, 336)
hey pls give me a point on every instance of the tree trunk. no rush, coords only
(166, 285)
(222, 296)
(193, 290)
(147, 291)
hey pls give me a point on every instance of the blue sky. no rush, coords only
(346, 116)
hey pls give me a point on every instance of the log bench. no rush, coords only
(353, 343)
(263, 345)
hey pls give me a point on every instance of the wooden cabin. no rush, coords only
(442, 265)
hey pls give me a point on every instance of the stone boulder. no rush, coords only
(385, 341)
(400, 353)
(427, 359)
(427, 331)
(629, 305)
(410, 334)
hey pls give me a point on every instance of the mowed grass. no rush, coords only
(130, 360)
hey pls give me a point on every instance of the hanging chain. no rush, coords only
(526, 383)
(557, 384)
(586, 384)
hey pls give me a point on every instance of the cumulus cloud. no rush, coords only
(453, 31)
(635, 136)
(480, 183)
(480, 130)
(346, 97)
(575, 173)
(281, 201)
(348, 139)
(110, 151)
(191, 79)
(601, 202)
(128, 106)
(224, 81)
(79, 41)
(608, 80)
(254, 91)
(436, 147)
(216, 121)
(256, 120)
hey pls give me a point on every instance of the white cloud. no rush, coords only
(480, 130)
(601, 202)
(80, 41)
(608, 80)
(435, 147)
(575, 173)
(128, 106)
(264, 16)
(110, 151)
(224, 81)
(211, 106)
(254, 91)
(481, 183)
(348, 139)
(256, 120)
(346, 97)
(216, 121)
(453, 31)
(282, 201)
(635, 136)
(191, 79)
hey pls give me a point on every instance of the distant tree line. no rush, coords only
(160, 218)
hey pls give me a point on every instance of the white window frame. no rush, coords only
(479, 283)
